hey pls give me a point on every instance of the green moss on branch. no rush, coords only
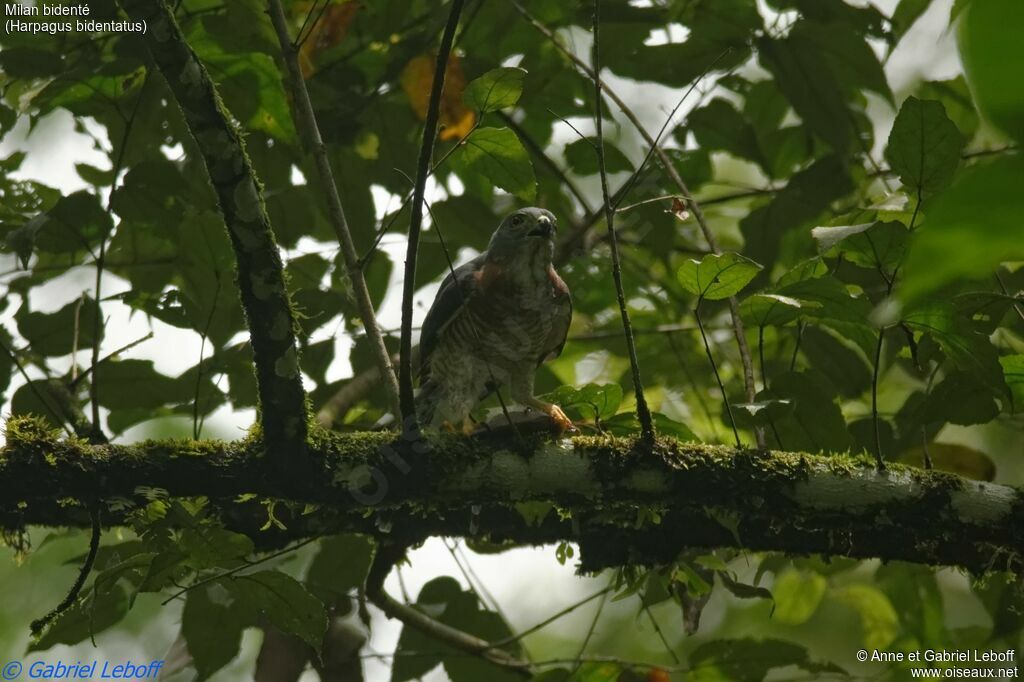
(624, 503)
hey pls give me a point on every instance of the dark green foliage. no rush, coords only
(837, 229)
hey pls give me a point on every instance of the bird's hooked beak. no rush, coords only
(545, 228)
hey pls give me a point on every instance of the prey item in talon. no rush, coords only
(494, 320)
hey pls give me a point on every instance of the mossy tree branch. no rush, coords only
(622, 502)
(260, 273)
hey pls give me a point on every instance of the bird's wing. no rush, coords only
(560, 332)
(450, 300)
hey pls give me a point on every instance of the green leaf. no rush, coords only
(905, 14)
(797, 596)
(992, 52)
(284, 601)
(595, 401)
(956, 98)
(250, 83)
(961, 398)
(770, 310)
(597, 671)
(827, 299)
(743, 660)
(214, 547)
(498, 155)
(445, 600)
(743, 590)
(761, 412)
(717, 125)
(30, 62)
(978, 219)
(212, 626)
(804, 77)
(581, 156)
(957, 459)
(92, 613)
(879, 623)
(96, 177)
(667, 426)
(341, 565)
(968, 349)
(771, 227)
(41, 398)
(717, 276)
(815, 423)
(924, 146)
(497, 89)
(1013, 368)
(6, 363)
(836, 358)
(53, 334)
(847, 54)
(877, 245)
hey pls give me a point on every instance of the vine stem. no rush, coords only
(714, 368)
(692, 205)
(890, 284)
(405, 391)
(643, 412)
(336, 210)
(879, 461)
(83, 573)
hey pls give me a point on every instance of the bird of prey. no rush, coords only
(494, 320)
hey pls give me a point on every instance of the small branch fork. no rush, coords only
(643, 412)
(336, 211)
(405, 389)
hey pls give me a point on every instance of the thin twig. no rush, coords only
(697, 392)
(590, 630)
(199, 366)
(890, 282)
(97, 326)
(546, 160)
(692, 205)
(657, 629)
(551, 619)
(335, 209)
(1006, 292)
(408, 197)
(61, 420)
(405, 391)
(879, 461)
(643, 412)
(714, 368)
(238, 569)
(108, 356)
(83, 573)
(387, 557)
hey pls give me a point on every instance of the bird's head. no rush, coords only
(526, 231)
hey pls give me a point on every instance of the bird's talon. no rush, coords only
(561, 420)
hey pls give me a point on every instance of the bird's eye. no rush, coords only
(517, 220)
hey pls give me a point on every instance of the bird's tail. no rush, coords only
(426, 402)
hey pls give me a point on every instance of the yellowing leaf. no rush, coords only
(328, 31)
(455, 117)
